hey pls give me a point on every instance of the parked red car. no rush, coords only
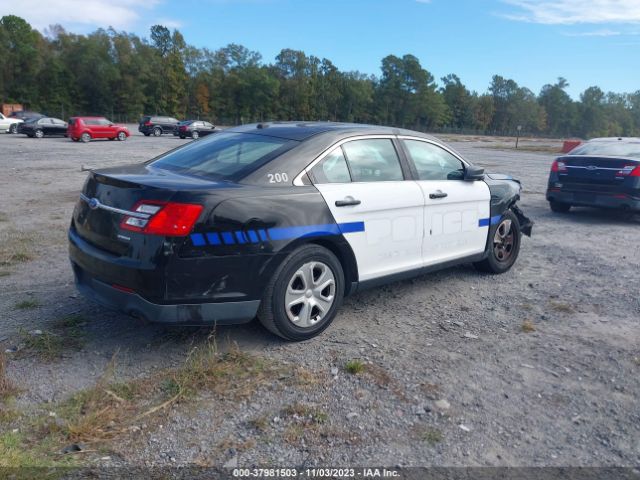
(88, 128)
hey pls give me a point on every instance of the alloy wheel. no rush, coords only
(310, 294)
(504, 241)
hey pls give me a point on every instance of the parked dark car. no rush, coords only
(282, 220)
(43, 127)
(194, 129)
(156, 125)
(603, 172)
(26, 115)
(177, 126)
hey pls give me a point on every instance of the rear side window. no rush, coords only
(224, 156)
(608, 149)
(332, 169)
(374, 160)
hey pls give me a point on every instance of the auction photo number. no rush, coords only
(278, 177)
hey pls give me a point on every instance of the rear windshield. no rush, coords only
(224, 156)
(608, 149)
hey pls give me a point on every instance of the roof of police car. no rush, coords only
(303, 130)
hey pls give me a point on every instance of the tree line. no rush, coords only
(123, 76)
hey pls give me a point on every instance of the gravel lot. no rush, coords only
(536, 367)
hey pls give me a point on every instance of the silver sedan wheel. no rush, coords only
(310, 294)
(504, 241)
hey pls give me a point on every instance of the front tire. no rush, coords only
(39, 133)
(304, 294)
(558, 207)
(504, 247)
(13, 128)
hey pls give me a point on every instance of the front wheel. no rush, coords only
(122, 136)
(39, 133)
(13, 128)
(504, 246)
(304, 294)
(559, 207)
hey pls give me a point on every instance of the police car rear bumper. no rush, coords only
(119, 298)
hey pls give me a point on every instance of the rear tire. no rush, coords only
(195, 135)
(147, 134)
(85, 137)
(294, 306)
(504, 247)
(182, 137)
(559, 207)
(157, 132)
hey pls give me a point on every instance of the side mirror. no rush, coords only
(473, 173)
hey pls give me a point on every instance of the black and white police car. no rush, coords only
(282, 220)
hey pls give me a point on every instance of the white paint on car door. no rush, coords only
(390, 207)
(456, 213)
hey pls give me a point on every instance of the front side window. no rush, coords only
(224, 156)
(373, 160)
(433, 162)
(332, 168)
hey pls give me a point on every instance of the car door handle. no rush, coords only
(437, 194)
(347, 202)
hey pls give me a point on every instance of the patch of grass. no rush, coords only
(528, 326)
(66, 334)
(354, 366)
(27, 305)
(111, 409)
(561, 307)
(17, 247)
(306, 414)
(260, 423)
(7, 388)
(47, 346)
(70, 321)
(431, 435)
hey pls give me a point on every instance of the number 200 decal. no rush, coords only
(278, 177)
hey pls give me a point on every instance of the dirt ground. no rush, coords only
(536, 367)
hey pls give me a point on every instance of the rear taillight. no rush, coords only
(164, 218)
(630, 171)
(558, 166)
(147, 124)
(183, 127)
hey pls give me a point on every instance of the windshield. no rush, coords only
(224, 156)
(608, 149)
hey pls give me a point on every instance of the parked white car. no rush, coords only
(9, 124)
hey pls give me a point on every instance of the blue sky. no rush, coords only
(589, 42)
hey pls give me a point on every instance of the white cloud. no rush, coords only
(568, 12)
(78, 14)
